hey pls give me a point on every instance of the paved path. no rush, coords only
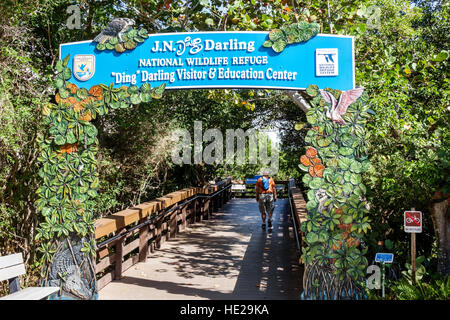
(227, 257)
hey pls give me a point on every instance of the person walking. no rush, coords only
(266, 195)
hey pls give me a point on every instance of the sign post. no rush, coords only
(383, 258)
(413, 225)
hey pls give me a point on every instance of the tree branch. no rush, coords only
(298, 99)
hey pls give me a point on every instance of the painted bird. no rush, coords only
(340, 108)
(114, 29)
(328, 57)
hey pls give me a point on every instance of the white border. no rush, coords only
(245, 32)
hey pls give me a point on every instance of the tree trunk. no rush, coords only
(441, 224)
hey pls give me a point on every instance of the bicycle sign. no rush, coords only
(413, 221)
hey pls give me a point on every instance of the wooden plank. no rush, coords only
(10, 260)
(105, 263)
(103, 281)
(127, 264)
(105, 226)
(12, 271)
(130, 247)
(103, 252)
(32, 293)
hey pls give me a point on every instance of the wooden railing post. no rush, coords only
(173, 223)
(183, 218)
(143, 241)
(158, 227)
(119, 257)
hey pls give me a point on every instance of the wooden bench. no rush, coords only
(11, 267)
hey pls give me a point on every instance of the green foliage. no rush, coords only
(289, 34)
(436, 290)
(69, 174)
(337, 209)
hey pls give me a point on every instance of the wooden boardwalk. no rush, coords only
(226, 257)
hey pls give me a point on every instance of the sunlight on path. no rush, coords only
(227, 257)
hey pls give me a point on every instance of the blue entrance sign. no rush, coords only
(216, 60)
(384, 257)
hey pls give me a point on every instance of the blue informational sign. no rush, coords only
(384, 257)
(216, 60)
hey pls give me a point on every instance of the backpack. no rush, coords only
(265, 183)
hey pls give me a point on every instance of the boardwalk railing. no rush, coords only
(298, 210)
(127, 237)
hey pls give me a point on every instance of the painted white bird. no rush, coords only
(340, 108)
(114, 29)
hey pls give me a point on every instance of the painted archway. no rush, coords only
(333, 162)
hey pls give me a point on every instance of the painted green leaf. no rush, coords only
(143, 33)
(315, 183)
(160, 89)
(356, 167)
(59, 66)
(355, 179)
(101, 46)
(310, 195)
(306, 179)
(275, 34)
(132, 33)
(311, 118)
(145, 97)
(267, 44)
(124, 105)
(135, 98)
(311, 205)
(133, 89)
(70, 137)
(138, 39)
(312, 90)
(66, 60)
(303, 168)
(67, 73)
(348, 188)
(109, 46)
(59, 83)
(114, 40)
(115, 105)
(345, 151)
(323, 236)
(279, 45)
(347, 219)
(82, 93)
(324, 142)
(64, 93)
(60, 140)
(312, 237)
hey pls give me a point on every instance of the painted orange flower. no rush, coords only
(72, 87)
(314, 164)
(69, 148)
(96, 91)
(87, 116)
